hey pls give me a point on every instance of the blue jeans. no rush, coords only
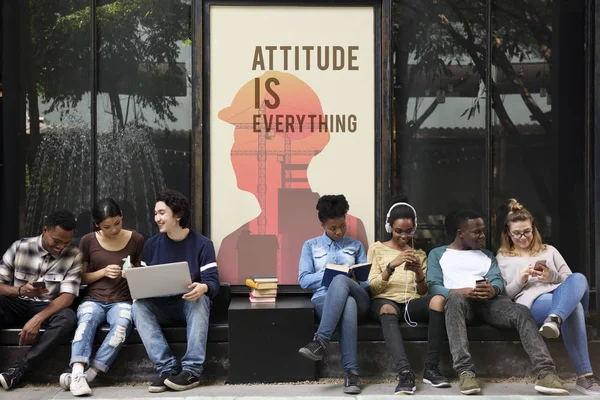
(570, 302)
(150, 314)
(90, 315)
(343, 305)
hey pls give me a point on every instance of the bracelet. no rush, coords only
(421, 281)
(389, 270)
(19, 291)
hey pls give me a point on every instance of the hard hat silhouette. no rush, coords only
(296, 99)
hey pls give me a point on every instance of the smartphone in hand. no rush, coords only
(481, 280)
(539, 265)
(39, 284)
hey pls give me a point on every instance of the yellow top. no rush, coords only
(395, 288)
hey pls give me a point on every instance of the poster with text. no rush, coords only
(292, 118)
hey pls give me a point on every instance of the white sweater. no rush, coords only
(526, 294)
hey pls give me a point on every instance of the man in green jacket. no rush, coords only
(469, 278)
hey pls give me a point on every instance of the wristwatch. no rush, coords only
(497, 290)
(389, 269)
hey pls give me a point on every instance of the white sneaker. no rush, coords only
(79, 385)
(551, 328)
(65, 380)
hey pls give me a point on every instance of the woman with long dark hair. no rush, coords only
(107, 299)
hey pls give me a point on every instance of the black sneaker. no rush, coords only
(183, 381)
(158, 386)
(11, 377)
(351, 384)
(434, 377)
(314, 350)
(406, 384)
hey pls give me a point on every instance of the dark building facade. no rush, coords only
(488, 101)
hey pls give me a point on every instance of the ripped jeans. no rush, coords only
(90, 315)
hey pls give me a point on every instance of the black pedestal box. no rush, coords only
(264, 340)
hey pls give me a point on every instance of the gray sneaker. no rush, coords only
(589, 384)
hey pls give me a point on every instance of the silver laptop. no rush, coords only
(159, 280)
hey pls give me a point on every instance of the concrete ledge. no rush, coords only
(493, 359)
(132, 365)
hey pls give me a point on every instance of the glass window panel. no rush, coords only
(57, 49)
(439, 110)
(539, 120)
(144, 104)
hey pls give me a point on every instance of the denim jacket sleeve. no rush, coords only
(307, 276)
(361, 258)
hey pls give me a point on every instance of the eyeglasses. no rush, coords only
(408, 232)
(519, 235)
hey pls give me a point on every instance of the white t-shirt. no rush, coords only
(461, 268)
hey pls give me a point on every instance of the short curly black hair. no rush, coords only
(332, 206)
(179, 204)
(461, 218)
(63, 218)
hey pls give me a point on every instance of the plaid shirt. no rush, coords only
(27, 260)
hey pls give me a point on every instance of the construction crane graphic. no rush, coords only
(284, 156)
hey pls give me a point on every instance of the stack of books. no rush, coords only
(264, 288)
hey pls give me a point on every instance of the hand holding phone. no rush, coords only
(483, 289)
(39, 284)
(33, 289)
(539, 265)
(541, 271)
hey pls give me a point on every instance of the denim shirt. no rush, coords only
(322, 250)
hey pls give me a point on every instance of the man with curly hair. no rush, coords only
(174, 243)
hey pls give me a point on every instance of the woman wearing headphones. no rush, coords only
(398, 286)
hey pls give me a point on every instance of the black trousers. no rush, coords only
(60, 326)
(419, 311)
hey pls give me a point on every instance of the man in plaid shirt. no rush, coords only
(39, 279)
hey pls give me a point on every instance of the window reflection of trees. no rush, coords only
(139, 44)
(440, 53)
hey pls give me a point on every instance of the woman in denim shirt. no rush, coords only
(346, 300)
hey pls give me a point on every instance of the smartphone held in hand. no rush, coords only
(539, 265)
(39, 284)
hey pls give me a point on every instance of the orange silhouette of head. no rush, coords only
(296, 113)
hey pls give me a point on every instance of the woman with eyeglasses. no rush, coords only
(398, 285)
(538, 277)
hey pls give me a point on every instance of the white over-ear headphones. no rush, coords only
(388, 226)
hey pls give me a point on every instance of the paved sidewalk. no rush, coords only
(327, 391)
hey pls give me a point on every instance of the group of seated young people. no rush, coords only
(527, 286)
(40, 277)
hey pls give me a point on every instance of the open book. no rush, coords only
(361, 272)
